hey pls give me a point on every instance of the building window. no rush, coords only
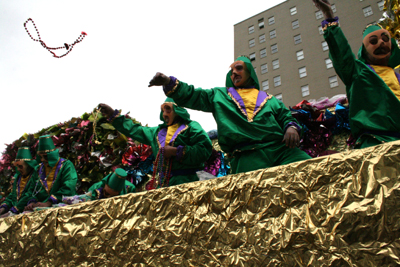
(319, 14)
(279, 97)
(302, 72)
(380, 5)
(252, 43)
(328, 63)
(264, 68)
(261, 38)
(274, 48)
(297, 39)
(300, 55)
(275, 64)
(271, 20)
(333, 7)
(333, 82)
(261, 23)
(272, 34)
(367, 11)
(325, 46)
(252, 56)
(265, 85)
(320, 30)
(293, 11)
(295, 24)
(277, 81)
(263, 53)
(305, 91)
(251, 29)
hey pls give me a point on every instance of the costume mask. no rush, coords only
(377, 45)
(240, 74)
(168, 113)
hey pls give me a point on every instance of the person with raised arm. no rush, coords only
(181, 145)
(372, 85)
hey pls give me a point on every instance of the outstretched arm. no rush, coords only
(183, 94)
(325, 7)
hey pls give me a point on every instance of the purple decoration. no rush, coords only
(179, 152)
(168, 88)
(327, 21)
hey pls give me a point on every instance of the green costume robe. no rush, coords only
(190, 136)
(18, 198)
(374, 109)
(64, 183)
(97, 188)
(255, 143)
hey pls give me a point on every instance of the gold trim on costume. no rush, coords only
(116, 116)
(329, 25)
(261, 105)
(120, 177)
(240, 108)
(184, 129)
(23, 159)
(24, 147)
(174, 88)
(45, 151)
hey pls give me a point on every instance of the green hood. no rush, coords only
(46, 145)
(253, 75)
(181, 112)
(394, 60)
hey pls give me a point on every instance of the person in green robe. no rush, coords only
(25, 175)
(181, 145)
(57, 177)
(114, 184)
(372, 85)
(254, 128)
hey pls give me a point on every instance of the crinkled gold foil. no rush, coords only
(390, 18)
(338, 210)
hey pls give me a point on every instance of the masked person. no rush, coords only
(114, 184)
(25, 175)
(372, 86)
(253, 127)
(56, 176)
(181, 145)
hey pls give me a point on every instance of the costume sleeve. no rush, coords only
(126, 126)
(283, 115)
(11, 199)
(340, 51)
(27, 193)
(97, 190)
(129, 187)
(200, 147)
(67, 186)
(187, 96)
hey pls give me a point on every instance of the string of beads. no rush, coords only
(66, 46)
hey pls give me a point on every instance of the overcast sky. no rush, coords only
(127, 43)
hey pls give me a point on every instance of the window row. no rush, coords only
(274, 49)
(305, 89)
(302, 70)
(272, 35)
(318, 15)
(271, 21)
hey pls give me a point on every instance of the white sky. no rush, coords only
(127, 43)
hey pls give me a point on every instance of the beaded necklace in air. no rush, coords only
(66, 46)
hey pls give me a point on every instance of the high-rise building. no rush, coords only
(288, 50)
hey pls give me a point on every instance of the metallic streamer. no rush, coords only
(336, 210)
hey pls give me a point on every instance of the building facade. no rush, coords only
(288, 50)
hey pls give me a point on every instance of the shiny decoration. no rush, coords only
(337, 210)
(390, 18)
